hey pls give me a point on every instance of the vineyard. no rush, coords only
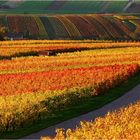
(110, 27)
(115, 125)
(34, 87)
(60, 59)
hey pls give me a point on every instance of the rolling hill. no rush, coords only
(70, 19)
(88, 26)
(134, 8)
(63, 6)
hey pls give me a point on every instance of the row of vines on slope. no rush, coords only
(71, 27)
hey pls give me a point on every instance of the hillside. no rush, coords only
(63, 6)
(111, 27)
(68, 6)
(134, 8)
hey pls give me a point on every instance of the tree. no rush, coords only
(2, 32)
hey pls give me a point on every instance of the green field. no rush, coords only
(53, 7)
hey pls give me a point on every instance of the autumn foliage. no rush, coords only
(33, 87)
(121, 124)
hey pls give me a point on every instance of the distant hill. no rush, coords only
(66, 6)
(92, 26)
(134, 8)
(48, 24)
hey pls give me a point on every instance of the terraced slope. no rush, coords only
(72, 27)
(66, 7)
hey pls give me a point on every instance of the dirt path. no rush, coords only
(130, 97)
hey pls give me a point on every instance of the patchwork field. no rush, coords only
(93, 26)
(34, 85)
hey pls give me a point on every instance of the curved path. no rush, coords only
(128, 98)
